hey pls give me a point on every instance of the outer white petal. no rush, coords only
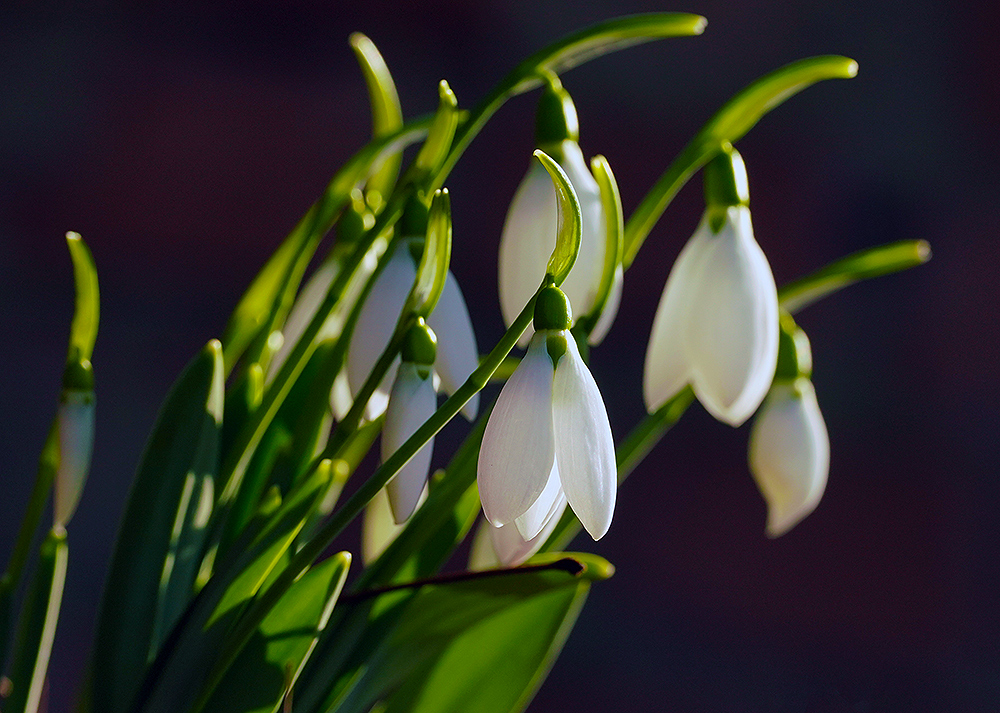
(376, 323)
(75, 421)
(411, 402)
(610, 311)
(584, 279)
(790, 454)
(512, 549)
(518, 451)
(341, 399)
(732, 332)
(535, 517)
(585, 449)
(667, 368)
(457, 353)
(527, 241)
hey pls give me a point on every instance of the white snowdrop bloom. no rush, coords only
(504, 545)
(75, 427)
(548, 437)
(458, 355)
(789, 453)
(529, 236)
(716, 327)
(411, 402)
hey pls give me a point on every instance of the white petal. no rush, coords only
(790, 454)
(512, 549)
(527, 241)
(411, 402)
(517, 452)
(457, 354)
(376, 323)
(732, 333)
(585, 449)
(75, 420)
(341, 399)
(534, 518)
(610, 311)
(584, 279)
(667, 369)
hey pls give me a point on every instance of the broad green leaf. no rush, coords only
(611, 202)
(435, 149)
(730, 123)
(483, 642)
(215, 628)
(433, 268)
(37, 625)
(862, 265)
(268, 665)
(271, 293)
(387, 116)
(564, 54)
(569, 224)
(182, 442)
(83, 331)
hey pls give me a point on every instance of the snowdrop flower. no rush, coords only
(716, 327)
(412, 401)
(75, 434)
(530, 228)
(790, 454)
(548, 439)
(458, 355)
(789, 446)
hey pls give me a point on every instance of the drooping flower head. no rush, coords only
(530, 228)
(716, 327)
(789, 446)
(548, 440)
(458, 355)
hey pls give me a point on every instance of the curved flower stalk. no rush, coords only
(458, 355)
(531, 225)
(548, 438)
(716, 327)
(789, 445)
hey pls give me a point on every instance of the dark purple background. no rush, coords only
(183, 143)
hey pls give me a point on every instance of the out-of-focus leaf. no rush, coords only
(387, 116)
(862, 265)
(270, 662)
(182, 443)
(37, 625)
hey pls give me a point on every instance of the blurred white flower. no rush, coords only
(529, 236)
(547, 439)
(458, 355)
(789, 453)
(716, 327)
(412, 401)
(75, 426)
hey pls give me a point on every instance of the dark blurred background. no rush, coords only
(184, 141)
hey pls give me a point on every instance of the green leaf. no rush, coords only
(269, 663)
(183, 442)
(862, 265)
(272, 292)
(729, 124)
(37, 625)
(483, 642)
(570, 51)
(611, 203)
(433, 269)
(570, 221)
(435, 149)
(83, 331)
(387, 116)
(224, 616)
